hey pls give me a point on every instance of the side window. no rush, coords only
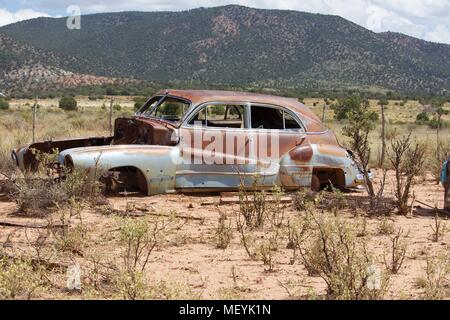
(220, 116)
(290, 123)
(273, 118)
(267, 118)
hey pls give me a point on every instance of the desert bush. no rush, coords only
(73, 237)
(4, 104)
(394, 259)
(422, 118)
(385, 227)
(224, 231)
(138, 238)
(260, 223)
(436, 281)
(131, 285)
(276, 208)
(171, 290)
(330, 250)
(54, 187)
(20, 278)
(437, 159)
(68, 103)
(439, 228)
(361, 121)
(303, 200)
(253, 205)
(298, 231)
(260, 245)
(407, 159)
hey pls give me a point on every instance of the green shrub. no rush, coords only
(68, 103)
(4, 105)
(347, 108)
(329, 248)
(20, 279)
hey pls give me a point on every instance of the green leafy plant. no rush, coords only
(68, 103)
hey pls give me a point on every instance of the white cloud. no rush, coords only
(7, 17)
(380, 19)
(440, 34)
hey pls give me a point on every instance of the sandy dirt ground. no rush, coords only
(190, 258)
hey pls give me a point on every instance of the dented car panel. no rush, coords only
(194, 140)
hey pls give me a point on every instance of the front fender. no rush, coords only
(157, 163)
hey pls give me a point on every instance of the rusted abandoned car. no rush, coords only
(192, 140)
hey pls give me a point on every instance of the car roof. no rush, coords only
(203, 96)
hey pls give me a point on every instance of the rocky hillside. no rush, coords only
(24, 67)
(235, 45)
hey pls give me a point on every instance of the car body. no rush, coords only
(203, 141)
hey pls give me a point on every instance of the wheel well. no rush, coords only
(331, 176)
(130, 179)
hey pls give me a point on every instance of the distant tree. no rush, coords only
(4, 104)
(422, 118)
(110, 91)
(68, 103)
(349, 106)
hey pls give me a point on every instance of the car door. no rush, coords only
(215, 148)
(288, 153)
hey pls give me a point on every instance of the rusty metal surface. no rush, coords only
(26, 160)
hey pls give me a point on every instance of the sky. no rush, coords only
(425, 19)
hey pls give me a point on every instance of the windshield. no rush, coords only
(165, 108)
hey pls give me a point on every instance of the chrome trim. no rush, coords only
(223, 173)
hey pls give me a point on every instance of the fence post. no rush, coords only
(34, 118)
(111, 116)
(323, 112)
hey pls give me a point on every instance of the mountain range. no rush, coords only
(221, 46)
